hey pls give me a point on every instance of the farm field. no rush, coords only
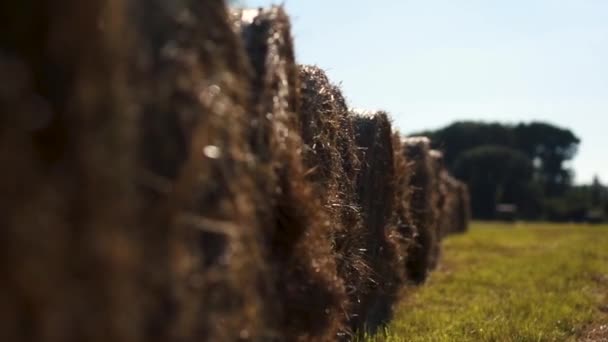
(523, 282)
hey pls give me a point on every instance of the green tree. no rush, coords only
(550, 147)
(462, 136)
(495, 174)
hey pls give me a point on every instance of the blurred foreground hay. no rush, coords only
(171, 174)
(306, 288)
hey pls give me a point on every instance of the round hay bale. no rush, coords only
(306, 289)
(449, 219)
(402, 216)
(463, 207)
(440, 204)
(69, 257)
(454, 205)
(331, 158)
(203, 241)
(375, 190)
(423, 210)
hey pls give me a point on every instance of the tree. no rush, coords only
(495, 174)
(462, 136)
(597, 193)
(550, 147)
(545, 148)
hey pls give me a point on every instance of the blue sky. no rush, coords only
(431, 62)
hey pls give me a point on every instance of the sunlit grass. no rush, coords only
(533, 282)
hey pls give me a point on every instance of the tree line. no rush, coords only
(522, 166)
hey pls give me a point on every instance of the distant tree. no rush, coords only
(547, 146)
(495, 174)
(462, 136)
(597, 193)
(550, 147)
(541, 147)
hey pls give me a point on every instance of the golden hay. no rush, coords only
(453, 206)
(202, 251)
(376, 194)
(462, 207)
(331, 156)
(439, 202)
(68, 209)
(158, 185)
(306, 290)
(402, 216)
(423, 210)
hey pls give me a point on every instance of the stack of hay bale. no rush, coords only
(303, 282)
(170, 173)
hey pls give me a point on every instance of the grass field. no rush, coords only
(524, 282)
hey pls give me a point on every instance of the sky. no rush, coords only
(432, 62)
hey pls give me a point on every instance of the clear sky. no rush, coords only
(431, 62)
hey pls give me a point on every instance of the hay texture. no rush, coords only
(68, 207)
(402, 215)
(203, 238)
(422, 208)
(330, 155)
(453, 204)
(441, 202)
(448, 211)
(459, 209)
(305, 286)
(376, 195)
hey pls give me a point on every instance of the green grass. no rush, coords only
(532, 282)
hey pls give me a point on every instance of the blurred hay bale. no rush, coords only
(331, 158)
(463, 207)
(402, 216)
(423, 210)
(454, 205)
(442, 202)
(307, 291)
(68, 210)
(375, 190)
(448, 219)
(438, 202)
(203, 242)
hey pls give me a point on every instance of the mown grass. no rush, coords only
(525, 282)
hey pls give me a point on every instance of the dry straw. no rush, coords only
(376, 194)
(439, 199)
(193, 85)
(331, 157)
(423, 210)
(402, 215)
(461, 205)
(170, 174)
(69, 257)
(309, 295)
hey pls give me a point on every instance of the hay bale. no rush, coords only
(423, 210)
(331, 158)
(203, 246)
(454, 208)
(375, 190)
(442, 203)
(306, 289)
(69, 257)
(402, 216)
(463, 207)
(448, 219)
(438, 200)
